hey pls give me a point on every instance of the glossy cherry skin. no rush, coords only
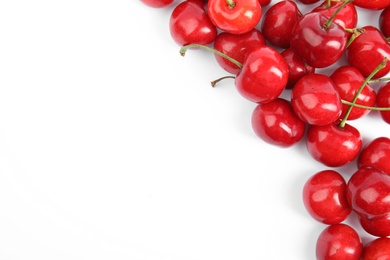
(263, 76)
(384, 22)
(346, 18)
(264, 2)
(236, 46)
(237, 19)
(189, 23)
(333, 146)
(278, 21)
(339, 242)
(315, 99)
(308, 2)
(372, 4)
(368, 50)
(368, 192)
(324, 197)
(377, 249)
(276, 123)
(348, 81)
(376, 153)
(383, 100)
(297, 68)
(317, 46)
(157, 3)
(379, 227)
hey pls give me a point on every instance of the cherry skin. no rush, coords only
(376, 154)
(324, 197)
(383, 100)
(333, 146)
(368, 50)
(315, 99)
(372, 4)
(157, 3)
(308, 2)
(368, 192)
(278, 21)
(235, 16)
(297, 68)
(263, 76)
(348, 80)
(379, 227)
(384, 22)
(318, 46)
(377, 249)
(264, 2)
(236, 46)
(276, 123)
(189, 23)
(339, 241)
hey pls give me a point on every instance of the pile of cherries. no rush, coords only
(269, 52)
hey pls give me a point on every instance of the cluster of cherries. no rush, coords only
(267, 53)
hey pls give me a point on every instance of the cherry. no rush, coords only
(379, 227)
(297, 68)
(339, 241)
(324, 197)
(332, 145)
(348, 81)
(317, 40)
(157, 3)
(383, 100)
(276, 123)
(384, 22)
(378, 249)
(189, 23)
(372, 4)
(263, 76)
(236, 46)
(368, 192)
(278, 21)
(376, 154)
(315, 99)
(308, 2)
(235, 16)
(264, 2)
(367, 50)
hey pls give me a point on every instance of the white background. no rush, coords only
(113, 146)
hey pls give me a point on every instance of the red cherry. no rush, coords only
(372, 4)
(324, 197)
(157, 3)
(308, 2)
(333, 146)
(384, 22)
(376, 154)
(337, 242)
(189, 23)
(379, 227)
(278, 22)
(378, 249)
(263, 76)
(276, 123)
(368, 50)
(315, 99)
(235, 16)
(264, 2)
(368, 192)
(348, 81)
(318, 44)
(383, 100)
(236, 46)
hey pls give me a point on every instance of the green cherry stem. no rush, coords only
(214, 82)
(184, 49)
(231, 3)
(365, 107)
(378, 68)
(327, 25)
(379, 80)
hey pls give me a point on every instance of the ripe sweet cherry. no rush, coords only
(376, 153)
(377, 249)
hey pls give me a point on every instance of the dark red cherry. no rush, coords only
(333, 146)
(308, 2)
(348, 81)
(372, 4)
(384, 22)
(278, 22)
(376, 153)
(379, 227)
(264, 2)
(157, 3)
(236, 46)
(276, 123)
(368, 50)
(377, 249)
(383, 100)
(189, 23)
(318, 44)
(263, 76)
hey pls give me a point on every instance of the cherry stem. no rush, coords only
(184, 49)
(379, 80)
(365, 107)
(355, 33)
(231, 3)
(366, 81)
(214, 82)
(328, 4)
(327, 25)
